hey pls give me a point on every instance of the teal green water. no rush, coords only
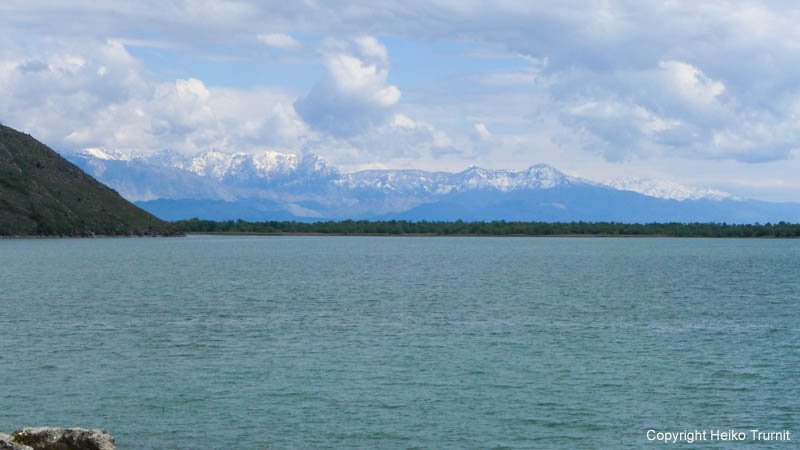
(361, 342)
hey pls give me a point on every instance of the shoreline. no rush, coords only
(389, 235)
(626, 236)
(96, 236)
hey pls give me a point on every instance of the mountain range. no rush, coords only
(284, 186)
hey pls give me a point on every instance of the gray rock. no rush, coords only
(7, 443)
(51, 438)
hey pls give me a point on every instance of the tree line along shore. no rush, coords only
(493, 228)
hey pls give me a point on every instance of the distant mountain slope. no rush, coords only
(595, 203)
(43, 194)
(280, 186)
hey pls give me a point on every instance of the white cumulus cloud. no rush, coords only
(279, 40)
(691, 83)
(354, 94)
(481, 130)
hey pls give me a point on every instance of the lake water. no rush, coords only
(369, 342)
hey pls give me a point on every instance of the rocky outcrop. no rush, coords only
(7, 443)
(51, 438)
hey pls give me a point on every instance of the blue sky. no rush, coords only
(700, 94)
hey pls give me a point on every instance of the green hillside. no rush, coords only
(42, 194)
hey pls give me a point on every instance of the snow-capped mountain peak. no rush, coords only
(667, 189)
(106, 154)
(219, 166)
(539, 176)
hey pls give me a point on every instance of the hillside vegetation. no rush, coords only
(42, 194)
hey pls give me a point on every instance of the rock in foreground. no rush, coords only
(7, 443)
(51, 438)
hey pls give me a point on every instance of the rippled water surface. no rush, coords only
(361, 342)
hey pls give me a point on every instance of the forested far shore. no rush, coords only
(493, 228)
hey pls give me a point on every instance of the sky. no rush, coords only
(705, 94)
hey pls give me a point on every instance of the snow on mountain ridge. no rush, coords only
(270, 161)
(272, 165)
(108, 155)
(397, 181)
(540, 176)
(667, 189)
